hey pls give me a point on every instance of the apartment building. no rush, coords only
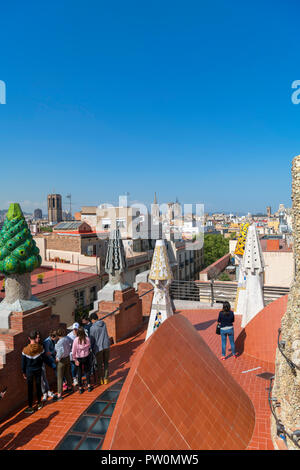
(104, 218)
(74, 246)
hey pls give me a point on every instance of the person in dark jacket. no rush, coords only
(86, 323)
(49, 346)
(226, 320)
(100, 346)
(46, 392)
(33, 358)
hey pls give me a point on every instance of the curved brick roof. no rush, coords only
(178, 395)
(259, 338)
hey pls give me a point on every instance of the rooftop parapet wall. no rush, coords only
(146, 297)
(127, 319)
(178, 395)
(15, 339)
(215, 268)
(259, 338)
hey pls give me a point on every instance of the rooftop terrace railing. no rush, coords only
(218, 291)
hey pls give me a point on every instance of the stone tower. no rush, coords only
(155, 211)
(287, 375)
(54, 208)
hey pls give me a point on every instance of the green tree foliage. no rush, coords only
(18, 251)
(224, 277)
(215, 246)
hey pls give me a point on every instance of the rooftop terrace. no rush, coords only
(46, 429)
(54, 279)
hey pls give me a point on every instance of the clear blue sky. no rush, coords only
(186, 98)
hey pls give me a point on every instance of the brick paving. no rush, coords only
(255, 386)
(44, 429)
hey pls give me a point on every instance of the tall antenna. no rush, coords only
(69, 196)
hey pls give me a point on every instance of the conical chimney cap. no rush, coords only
(160, 267)
(115, 257)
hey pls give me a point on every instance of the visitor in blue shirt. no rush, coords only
(49, 347)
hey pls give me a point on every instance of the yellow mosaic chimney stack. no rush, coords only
(160, 267)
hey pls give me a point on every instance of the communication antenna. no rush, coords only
(69, 196)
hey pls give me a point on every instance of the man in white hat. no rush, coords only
(72, 335)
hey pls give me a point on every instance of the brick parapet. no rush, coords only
(215, 268)
(15, 339)
(129, 317)
(144, 287)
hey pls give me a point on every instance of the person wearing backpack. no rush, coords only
(100, 345)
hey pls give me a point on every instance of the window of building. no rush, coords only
(80, 298)
(93, 294)
(106, 223)
(121, 223)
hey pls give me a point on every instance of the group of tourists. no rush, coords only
(83, 351)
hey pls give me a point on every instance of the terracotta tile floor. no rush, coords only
(44, 429)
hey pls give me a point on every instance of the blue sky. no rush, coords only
(189, 99)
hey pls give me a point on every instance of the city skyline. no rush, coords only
(28, 208)
(188, 102)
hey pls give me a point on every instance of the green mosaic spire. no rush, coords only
(18, 251)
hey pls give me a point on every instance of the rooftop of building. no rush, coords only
(72, 225)
(276, 244)
(92, 210)
(45, 429)
(54, 279)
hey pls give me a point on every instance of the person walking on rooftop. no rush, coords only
(81, 352)
(63, 349)
(33, 357)
(49, 347)
(71, 336)
(44, 381)
(100, 346)
(225, 321)
(86, 323)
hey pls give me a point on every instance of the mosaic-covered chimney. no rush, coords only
(115, 263)
(160, 277)
(286, 387)
(19, 256)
